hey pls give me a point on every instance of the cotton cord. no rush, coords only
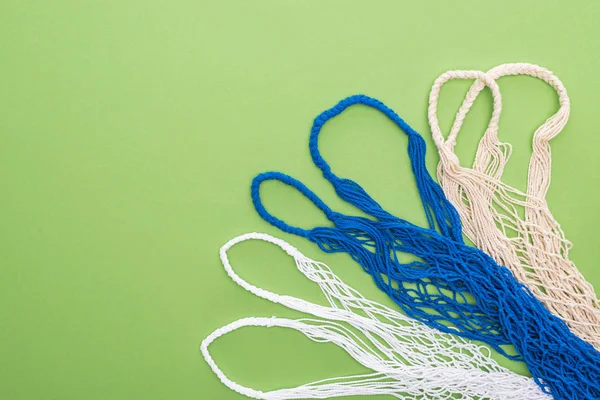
(445, 271)
(409, 360)
(533, 247)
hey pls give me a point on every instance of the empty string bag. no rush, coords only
(532, 246)
(435, 287)
(406, 358)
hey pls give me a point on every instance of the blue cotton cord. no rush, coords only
(434, 288)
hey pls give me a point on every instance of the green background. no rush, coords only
(130, 131)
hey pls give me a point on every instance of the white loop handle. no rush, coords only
(246, 391)
(265, 294)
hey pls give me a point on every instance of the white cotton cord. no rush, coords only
(534, 248)
(408, 359)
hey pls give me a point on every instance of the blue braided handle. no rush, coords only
(326, 115)
(296, 184)
(438, 209)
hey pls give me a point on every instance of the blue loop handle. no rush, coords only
(338, 109)
(296, 184)
(438, 209)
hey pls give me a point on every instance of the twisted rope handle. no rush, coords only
(490, 147)
(438, 210)
(296, 184)
(243, 390)
(291, 302)
(265, 294)
(446, 146)
(326, 331)
(329, 114)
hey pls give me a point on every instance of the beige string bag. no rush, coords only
(533, 247)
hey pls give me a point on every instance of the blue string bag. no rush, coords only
(434, 288)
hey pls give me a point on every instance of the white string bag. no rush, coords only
(534, 248)
(409, 360)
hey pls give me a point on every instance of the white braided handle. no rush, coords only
(319, 331)
(322, 331)
(265, 294)
(246, 391)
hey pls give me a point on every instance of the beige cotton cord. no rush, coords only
(534, 248)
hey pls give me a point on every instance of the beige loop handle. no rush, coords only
(447, 145)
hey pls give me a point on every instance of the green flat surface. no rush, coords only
(130, 131)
